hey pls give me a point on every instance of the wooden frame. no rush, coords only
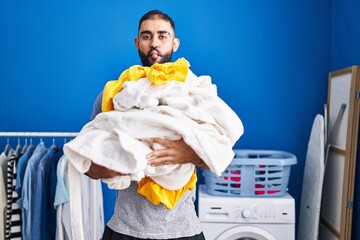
(339, 177)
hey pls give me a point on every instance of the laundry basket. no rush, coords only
(252, 173)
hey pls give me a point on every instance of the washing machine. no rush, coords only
(246, 218)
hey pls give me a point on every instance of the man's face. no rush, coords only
(156, 42)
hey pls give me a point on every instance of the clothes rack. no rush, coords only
(32, 175)
(38, 134)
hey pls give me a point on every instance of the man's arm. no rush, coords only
(96, 171)
(175, 152)
(200, 163)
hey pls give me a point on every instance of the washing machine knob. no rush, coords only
(246, 213)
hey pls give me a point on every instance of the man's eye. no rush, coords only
(163, 37)
(146, 37)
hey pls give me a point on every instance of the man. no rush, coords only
(134, 216)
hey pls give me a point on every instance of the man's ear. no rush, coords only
(176, 44)
(136, 41)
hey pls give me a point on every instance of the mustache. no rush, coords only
(153, 49)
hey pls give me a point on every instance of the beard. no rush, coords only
(147, 61)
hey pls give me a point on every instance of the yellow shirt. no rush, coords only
(157, 74)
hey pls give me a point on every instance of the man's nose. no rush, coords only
(155, 43)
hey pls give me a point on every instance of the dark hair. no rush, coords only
(157, 14)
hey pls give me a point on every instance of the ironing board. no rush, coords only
(310, 205)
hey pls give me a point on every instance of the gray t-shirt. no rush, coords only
(136, 216)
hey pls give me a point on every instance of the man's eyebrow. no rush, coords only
(145, 32)
(159, 32)
(162, 32)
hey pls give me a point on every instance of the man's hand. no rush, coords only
(96, 171)
(174, 152)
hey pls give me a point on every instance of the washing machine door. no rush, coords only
(245, 233)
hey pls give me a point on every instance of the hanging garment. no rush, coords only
(3, 164)
(61, 201)
(13, 213)
(3, 198)
(28, 199)
(85, 218)
(21, 166)
(44, 207)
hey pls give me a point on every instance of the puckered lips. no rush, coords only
(154, 54)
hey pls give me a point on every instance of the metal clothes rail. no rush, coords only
(38, 134)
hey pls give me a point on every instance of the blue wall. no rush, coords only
(269, 59)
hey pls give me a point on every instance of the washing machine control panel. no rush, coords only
(246, 209)
(256, 213)
(263, 213)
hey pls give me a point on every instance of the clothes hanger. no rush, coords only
(7, 146)
(24, 147)
(53, 144)
(9, 149)
(31, 144)
(18, 147)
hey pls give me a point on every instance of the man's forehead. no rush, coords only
(156, 25)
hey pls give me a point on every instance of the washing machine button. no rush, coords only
(246, 213)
